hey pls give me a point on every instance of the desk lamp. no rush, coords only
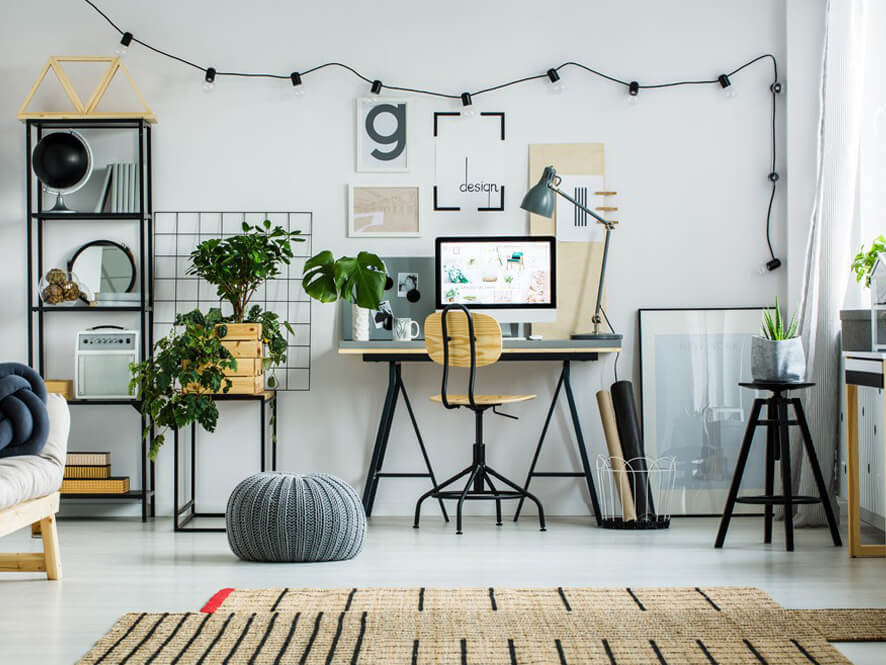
(540, 201)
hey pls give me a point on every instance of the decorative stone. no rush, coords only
(276, 516)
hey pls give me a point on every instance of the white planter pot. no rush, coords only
(781, 360)
(360, 323)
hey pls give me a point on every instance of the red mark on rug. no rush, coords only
(216, 601)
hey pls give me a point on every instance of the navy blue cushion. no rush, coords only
(24, 420)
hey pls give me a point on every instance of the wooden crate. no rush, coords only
(87, 472)
(244, 341)
(103, 486)
(63, 387)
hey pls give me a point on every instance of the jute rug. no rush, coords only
(429, 626)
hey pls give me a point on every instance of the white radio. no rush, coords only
(102, 361)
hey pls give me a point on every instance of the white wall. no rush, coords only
(690, 167)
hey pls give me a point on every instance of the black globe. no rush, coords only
(61, 160)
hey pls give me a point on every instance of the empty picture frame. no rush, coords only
(383, 212)
(382, 136)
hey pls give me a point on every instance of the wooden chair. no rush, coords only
(32, 513)
(455, 338)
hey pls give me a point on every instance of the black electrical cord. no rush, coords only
(617, 353)
(775, 88)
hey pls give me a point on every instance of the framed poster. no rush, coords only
(691, 361)
(379, 212)
(469, 162)
(382, 136)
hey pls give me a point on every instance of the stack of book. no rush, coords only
(90, 473)
(119, 192)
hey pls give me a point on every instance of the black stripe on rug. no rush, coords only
(304, 656)
(512, 652)
(415, 652)
(805, 653)
(636, 600)
(421, 599)
(492, 599)
(708, 598)
(755, 652)
(122, 637)
(350, 599)
(288, 639)
(359, 642)
(331, 654)
(264, 638)
(705, 651)
(147, 636)
(168, 639)
(658, 653)
(563, 598)
(279, 598)
(239, 639)
(215, 639)
(560, 652)
(609, 653)
(191, 640)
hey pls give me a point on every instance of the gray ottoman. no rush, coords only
(275, 516)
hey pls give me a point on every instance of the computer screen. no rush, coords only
(496, 272)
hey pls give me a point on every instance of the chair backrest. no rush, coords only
(487, 338)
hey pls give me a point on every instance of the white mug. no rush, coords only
(403, 330)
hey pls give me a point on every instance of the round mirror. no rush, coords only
(63, 163)
(104, 266)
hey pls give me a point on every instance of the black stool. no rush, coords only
(778, 446)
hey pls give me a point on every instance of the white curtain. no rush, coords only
(829, 251)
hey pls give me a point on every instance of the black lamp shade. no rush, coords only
(540, 198)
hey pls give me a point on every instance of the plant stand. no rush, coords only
(187, 511)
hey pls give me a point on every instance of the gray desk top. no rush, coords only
(508, 344)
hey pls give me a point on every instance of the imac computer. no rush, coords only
(513, 278)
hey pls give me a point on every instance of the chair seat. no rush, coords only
(485, 400)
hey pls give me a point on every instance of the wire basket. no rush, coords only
(636, 493)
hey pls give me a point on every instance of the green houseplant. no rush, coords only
(777, 354)
(174, 385)
(358, 280)
(864, 261)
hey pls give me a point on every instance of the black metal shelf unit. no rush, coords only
(36, 234)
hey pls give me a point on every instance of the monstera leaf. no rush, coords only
(361, 280)
(319, 277)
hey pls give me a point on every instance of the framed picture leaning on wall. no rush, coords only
(691, 361)
(382, 135)
(380, 212)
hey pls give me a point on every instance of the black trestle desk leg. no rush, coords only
(541, 440)
(263, 437)
(816, 471)
(381, 439)
(583, 451)
(771, 434)
(739, 471)
(787, 489)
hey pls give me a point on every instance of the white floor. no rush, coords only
(113, 567)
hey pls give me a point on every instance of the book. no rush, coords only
(95, 486)
(88, 471)
(88, 459)
(104, 191)
(115, 187)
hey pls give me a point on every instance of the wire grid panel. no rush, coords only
(177, 234)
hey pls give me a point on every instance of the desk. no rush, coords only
(514, 350)
(868, 370)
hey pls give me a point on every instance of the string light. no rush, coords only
(467, 105)
(557, 85)
(209, 80)
(295, 77)
(123, 46)
(726, 85)
(552, 75)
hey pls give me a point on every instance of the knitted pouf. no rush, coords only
(274, 516)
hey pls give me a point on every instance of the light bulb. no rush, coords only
(633, 93)
(123, 47)
(556, 83)
(469, 112)
(726, 86)
(467, 105)
(633, 100)
(298, 88)
(121, 51)
(208, 86)
(730, 92)
(209, 80)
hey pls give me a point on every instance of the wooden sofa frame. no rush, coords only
(40, 515)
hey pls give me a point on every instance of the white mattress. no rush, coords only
(31, 476)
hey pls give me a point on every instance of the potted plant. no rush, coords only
(237, 266)
(777, 354)
(192, 354)
(359, 281)
(856, 323)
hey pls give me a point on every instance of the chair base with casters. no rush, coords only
(480, 476)
(471, 341)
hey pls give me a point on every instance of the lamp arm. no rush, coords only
(578, 205)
